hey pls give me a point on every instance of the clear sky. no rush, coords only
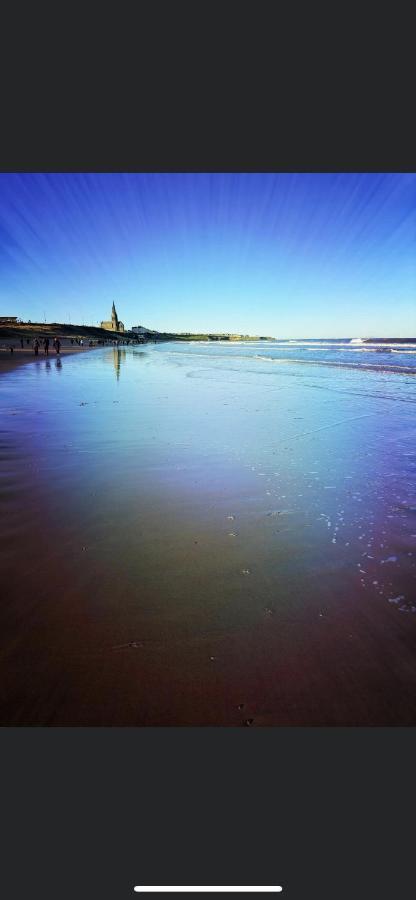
(285, 255)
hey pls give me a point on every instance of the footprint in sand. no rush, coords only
(135, 644)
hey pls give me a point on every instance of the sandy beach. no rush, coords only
(16, 341)
(196, 540)
(9, 361)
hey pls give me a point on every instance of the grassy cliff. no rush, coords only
(89, 332)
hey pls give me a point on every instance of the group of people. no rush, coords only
(56, 344)
(45, 342)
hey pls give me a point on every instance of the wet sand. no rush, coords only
(189, 542)
(9, 361)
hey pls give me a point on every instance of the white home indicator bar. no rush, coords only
(208, 890)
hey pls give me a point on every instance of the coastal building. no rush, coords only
(140, 329)
(114, 324)
(8, 320)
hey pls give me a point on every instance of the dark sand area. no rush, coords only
(12, 354)
(194, 542)
(10, 361)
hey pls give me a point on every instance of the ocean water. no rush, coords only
(343, 352)
(209, 534)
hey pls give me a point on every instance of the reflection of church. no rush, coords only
(116, 357)
(115, 324)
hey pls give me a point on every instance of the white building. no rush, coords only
(139, 329)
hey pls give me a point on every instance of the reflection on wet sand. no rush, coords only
(206, 543)
(116, 356)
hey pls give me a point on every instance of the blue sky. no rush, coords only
(287, 255)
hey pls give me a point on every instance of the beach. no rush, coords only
(17, 342)
(22, 356)
(208, 536)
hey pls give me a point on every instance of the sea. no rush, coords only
(351, 353)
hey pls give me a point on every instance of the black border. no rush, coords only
(90, 812)
(213, 92)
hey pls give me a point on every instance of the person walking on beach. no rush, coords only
(46, 345)
(57, 345)
(36, 346)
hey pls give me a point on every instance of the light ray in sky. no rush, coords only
(286, 255)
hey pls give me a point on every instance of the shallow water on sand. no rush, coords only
(205, 538)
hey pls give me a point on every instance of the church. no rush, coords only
(114, 324)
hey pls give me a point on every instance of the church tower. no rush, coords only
(114, 324)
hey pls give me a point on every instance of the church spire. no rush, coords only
(115, 324)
